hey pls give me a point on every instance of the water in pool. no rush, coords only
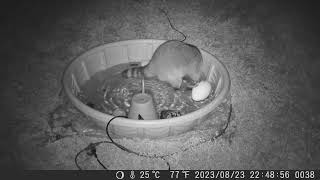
(107, 91)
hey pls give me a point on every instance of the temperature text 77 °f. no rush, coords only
(177, 174)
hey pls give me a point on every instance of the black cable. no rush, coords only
(76, 159)
(227, 125)
(128, 150)
(166, 13)
(91, 148)
(101, 164)
(91, 151)
(171, 25)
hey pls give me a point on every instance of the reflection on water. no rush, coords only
(107, 92)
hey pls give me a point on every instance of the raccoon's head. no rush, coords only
(188, 82)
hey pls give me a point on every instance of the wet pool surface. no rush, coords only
(107, 91)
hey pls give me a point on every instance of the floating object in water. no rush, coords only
(201, 91)
(126, 103)
(119, 112)
(165, 114)
(142, 104)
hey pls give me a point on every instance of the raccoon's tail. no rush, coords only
(135, 72)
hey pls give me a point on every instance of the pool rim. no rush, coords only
(97, 115)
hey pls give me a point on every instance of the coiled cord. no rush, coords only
(92, 151)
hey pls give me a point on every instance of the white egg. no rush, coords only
(201, 91)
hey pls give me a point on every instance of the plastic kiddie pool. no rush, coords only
(102, 57)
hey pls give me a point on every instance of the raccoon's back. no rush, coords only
(134, 72)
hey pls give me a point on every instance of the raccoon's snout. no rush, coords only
(190, 81)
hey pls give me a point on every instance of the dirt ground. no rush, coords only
(270, 49)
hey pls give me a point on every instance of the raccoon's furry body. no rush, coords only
(134, 72)
(171, 62)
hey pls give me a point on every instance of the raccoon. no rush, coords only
(172, 62)
(134, 72)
